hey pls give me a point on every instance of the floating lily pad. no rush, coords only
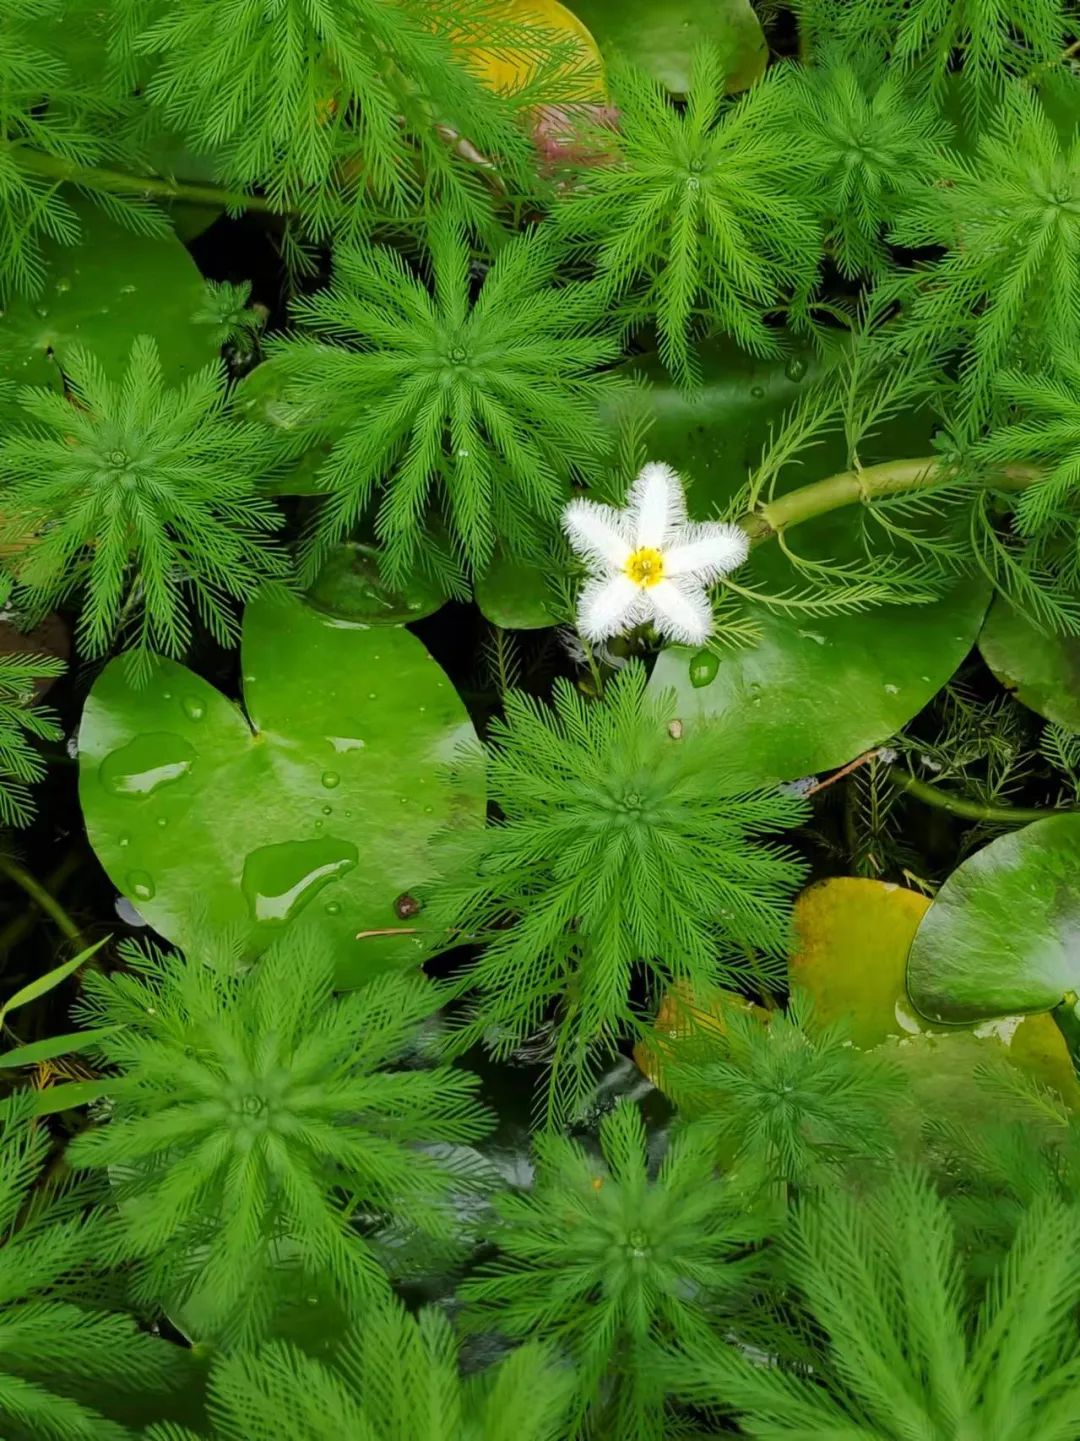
(260, 398)
(1003, 935)
(852, 941)
(661, 37)
(853, 937)
(322, 800)
(101, 293)
(813, 691)
(517, 595)
(350, 585)
(1043, 671)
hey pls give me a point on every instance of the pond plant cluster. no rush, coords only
(539, 720)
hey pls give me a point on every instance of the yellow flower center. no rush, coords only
(646, 566)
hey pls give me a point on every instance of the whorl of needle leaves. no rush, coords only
(994, 40)
(699, 215)
(610, 1261)
(21, 722)
(478, 407)
(254, 1115)
(394, 1377)
(786, 1099)
(141, 499)
(63, 1355)
(80, 126)
(907, 1353)
(1007, 290)
(333, 105)
(621, 844)
(873, 146)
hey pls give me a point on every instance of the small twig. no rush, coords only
(845, 770)
(388, 931)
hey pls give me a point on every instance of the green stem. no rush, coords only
(972, 810)
(23, 923)
(41, 897)
(875, 482)
(151, 186)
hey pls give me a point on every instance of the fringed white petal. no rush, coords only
(598, 533)
(704, 552)
(656, 506)
(608, 607)
(681, 611)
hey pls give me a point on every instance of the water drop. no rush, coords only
(333, 908)
(703, 668)
(193, 708)
(63, 285)
(758, 392)
(327, 810)
(892, 689)
(278, 881)
(141, 885)
(795, 369)
(330, 779)
(124, 841)
(371, 695)
(344, 744)
(42, 311)
(146, 764)
(163, 821)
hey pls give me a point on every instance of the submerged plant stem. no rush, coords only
(874, 482)
(154, 187)
(41, 897)
(970, 810)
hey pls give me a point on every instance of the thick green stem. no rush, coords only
(118, 182)
(41, 897)
(875, 482)
(969, 810)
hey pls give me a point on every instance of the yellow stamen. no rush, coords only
(646, 566)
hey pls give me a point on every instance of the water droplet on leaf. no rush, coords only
(194, 708)
(344, 744)
(141, 885)
(758, 392)
(330, 779)
(795, 369)
(146, 764)
(278, 881)
(703, 668)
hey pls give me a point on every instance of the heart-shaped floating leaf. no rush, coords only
(323, 799)
(1003, 934)
(350, 585)
(813, 691)
(101, 293)
(1042, 670)
(517, 594)
(661, 38)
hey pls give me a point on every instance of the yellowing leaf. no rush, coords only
(510, 73)
(852, 943)
(683, 1014)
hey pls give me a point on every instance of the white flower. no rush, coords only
(649, 564)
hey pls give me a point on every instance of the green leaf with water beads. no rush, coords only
(812, 691)
(323, 798)
(101, 293)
